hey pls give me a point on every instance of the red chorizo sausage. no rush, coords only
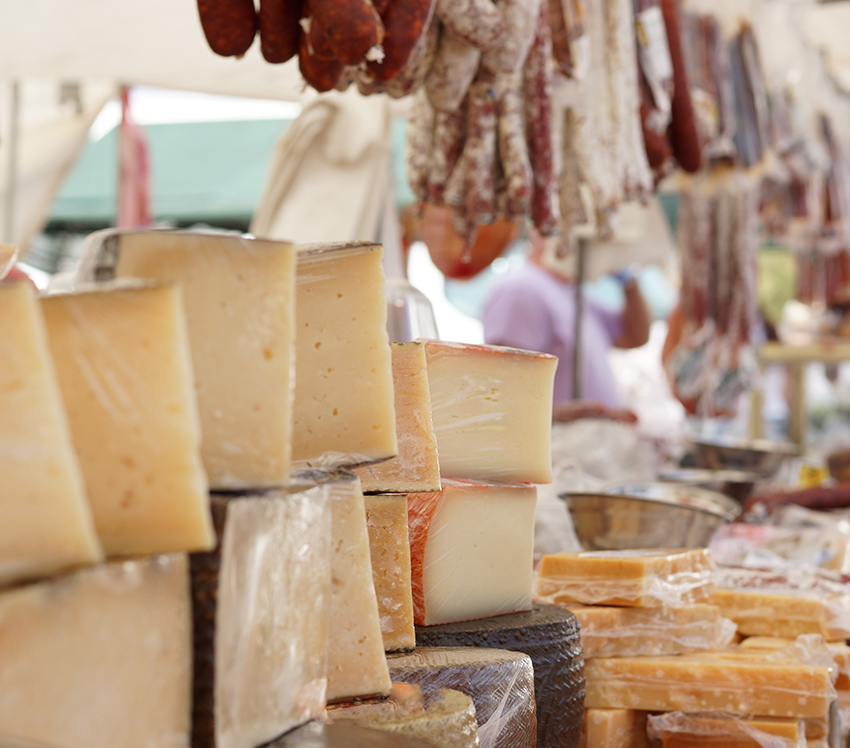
(279, 29)
(229, 25)
(321, 74)
(405, 22)
(352, 27)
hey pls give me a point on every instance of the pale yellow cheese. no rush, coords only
(8, 255)
(804, 647)
(678, 730)
(614, 728)
(389, 547)
(45, 520)
(416, 467)
(124, 370)
(99, 658)
(492, 411)
(637, 578)
(239, 301)
(344, 401)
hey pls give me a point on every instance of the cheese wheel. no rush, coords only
(343, 734)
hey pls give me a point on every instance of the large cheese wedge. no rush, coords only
(8, 255)
(492, 411)
(614, 728)
(357, 665)
(122, 360)
(389, 548)
(636, 578)
(679, 730)
(416, 467)
(471, 549)
(692, 683)
(623, 632)
(239, 300)
(344, 401)
(45, 521)
(500, 684)
(346, 734)
(261, 603)
(99, 658)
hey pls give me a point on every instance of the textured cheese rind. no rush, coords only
(344, 401)
(680, 730)
(614, 728)
(690, 683)
(492, 411)
(45, 521)
(471, 551)
(261, 604)
(123, 365)
(389, 548)
(626, 632)
(239, 301)
(99, 658)
(416, 467)
(641, 579)
(345, 734)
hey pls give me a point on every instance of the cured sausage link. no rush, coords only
(229, 25)
(279, 29)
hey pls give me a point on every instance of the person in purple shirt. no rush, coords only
(534, 308)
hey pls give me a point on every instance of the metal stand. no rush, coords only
(12, 166)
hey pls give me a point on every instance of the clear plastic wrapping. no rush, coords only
(614, 728)
(679, 730)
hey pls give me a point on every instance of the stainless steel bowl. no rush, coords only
(758, 456)
(648, 515)
(735, 483)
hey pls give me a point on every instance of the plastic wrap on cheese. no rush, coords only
(614, 728)
(344, 734)
(627, 632)
(680, 730)
(500, 684)
(636, 578)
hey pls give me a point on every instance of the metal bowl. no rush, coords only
(648, 515)
(758, 456)
(735, 483)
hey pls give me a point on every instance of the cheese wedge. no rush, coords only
(492, 411)
(614, 728)
(45, 521)
(124, 371)
(471, 549)
(416, 467)
(344, 400)
(239, 300)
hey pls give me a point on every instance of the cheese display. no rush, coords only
(549, 635)
(99, 658)
(448, 718)
(8, 255)
(344, 399)
(499, 682)
(239, 302)
(636, 578)
(123, 366)
(678, 730)
(45, 521)
(261, 603)
(471, 549)
(492, 411)
(692, 683)
(614, 728)
(389, 548)
(416, 467)
(627, 632)
(346, 734)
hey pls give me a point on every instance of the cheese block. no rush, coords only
(550, 637)
(806, 647)
(261, 602)
(692, 683)
(614, 728)
(345, 734)
(45, 521)
(447, 719)
(499, 682)
(492, 411)
(624, 632)
(416, 467)
(8, 256)
(357, 665)
(122, 360)
(471, 551)
(389, 549)
(99, 658)
(634, 578)
(678, 730)
(239, 300)
(344, 399)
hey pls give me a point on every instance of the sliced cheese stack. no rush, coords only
(122, 361)
(678, 730)
(500, 684)
(614, 728)
(45, 521)
(99, 658)
(261, 610)
(239, 300)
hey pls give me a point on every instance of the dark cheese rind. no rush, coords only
(549, 635)
(345, 735)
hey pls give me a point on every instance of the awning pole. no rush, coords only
(12, 166)
(581, 243)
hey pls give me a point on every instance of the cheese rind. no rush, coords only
(123, 365)
(45, 521)
(99, 658)
(471, 550)
(614, 728)
(345, 734)
(416, 467)
(344, 399)
(492, 411)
